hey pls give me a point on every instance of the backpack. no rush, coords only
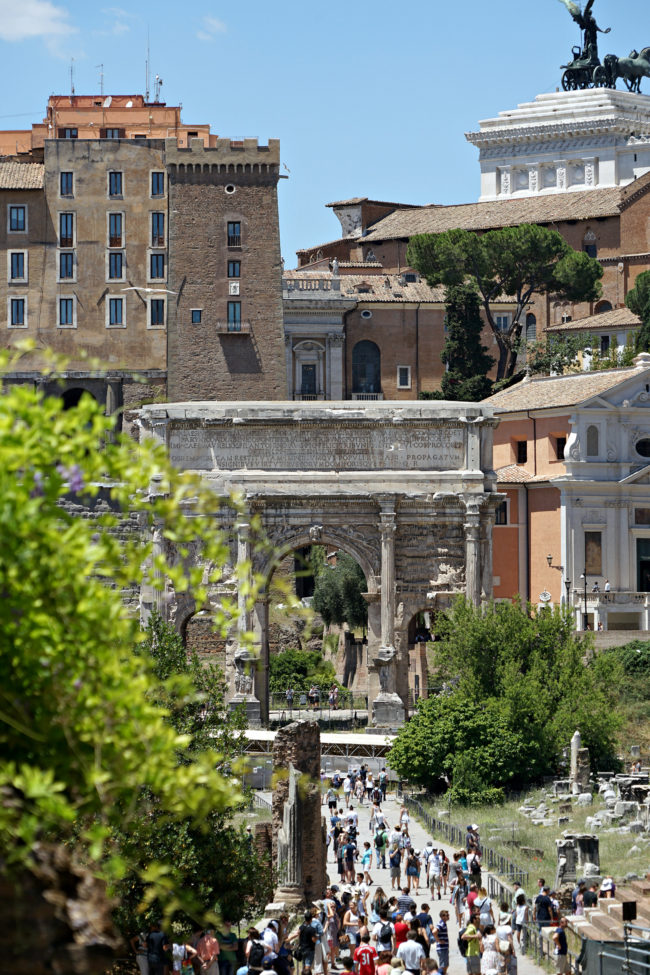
(462, 945)
(386, 934)
(256, 955)
(475, 867)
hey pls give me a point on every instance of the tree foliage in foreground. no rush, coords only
(466, 358)
(83, 735)
(513, 263)
(216, 863)
(520, 686)
(337, 593)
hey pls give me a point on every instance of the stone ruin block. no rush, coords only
(578, 855)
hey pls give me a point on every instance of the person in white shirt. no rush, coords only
(411, 953)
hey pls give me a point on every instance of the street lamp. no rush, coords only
(567, 586)
(584, 617)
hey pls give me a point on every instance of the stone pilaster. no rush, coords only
(387, 708)
(245, 660)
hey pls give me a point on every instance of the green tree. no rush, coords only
(519, 262)
(338, 593)
(216, 863)
(464, 355)
(82, 734)
(300, 669)
(638, 301)
(525, 682)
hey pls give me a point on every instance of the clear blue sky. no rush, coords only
(368, 99)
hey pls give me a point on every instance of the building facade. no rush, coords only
(572, 457)
(152, 266)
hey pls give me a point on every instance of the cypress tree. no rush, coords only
(466, 358)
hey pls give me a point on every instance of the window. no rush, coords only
(594, 553)
(157, 184)
(116, 313)
(592, 441)
(642, 516)
(410, 278)
(234, 269)
(17, 265)
(531, 327)
(113, 133)
(501, 514)
(67, 184)
(591, 250)
(157, 266)
(604, 344)
(115, 184)
(115, 225)
(603, 306)
(140, 135)
(66, 266)
(66, 313)
(157, 229)
(17, 312)
(17, 219)
(560, 444)
(66, 230)
(521, 449)
(643, 447)
(196, 316)
(366, 367)
(68, 133)
(115, 265)
(502, 322)
(192, 135)
(403, 377)
(157, 312)
(234, 316)
(234, 233)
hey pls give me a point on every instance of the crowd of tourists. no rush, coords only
(361, 927)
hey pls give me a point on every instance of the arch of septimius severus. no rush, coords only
(406, 489)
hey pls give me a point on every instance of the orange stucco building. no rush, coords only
(104, 117)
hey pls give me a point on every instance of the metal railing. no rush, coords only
(366, 396)
(455, 835)
(346, 702)
(259, 802)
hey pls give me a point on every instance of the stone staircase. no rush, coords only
(605, 922)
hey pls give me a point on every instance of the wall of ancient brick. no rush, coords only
(298, 744)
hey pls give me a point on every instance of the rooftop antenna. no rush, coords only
(146, 86)
(101, 78)
(157, 85)
(72, 76)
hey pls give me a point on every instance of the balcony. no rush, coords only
(616, 598)
(366, 396)
(234, 328)
(306, 397)
(234, 240)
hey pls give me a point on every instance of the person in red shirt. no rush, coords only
(471, 897)
(365, 957)
(401, 930)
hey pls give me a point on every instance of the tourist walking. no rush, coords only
(561, 948)
(489, 951)
(441, 935)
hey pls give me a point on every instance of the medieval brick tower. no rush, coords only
(225, 335)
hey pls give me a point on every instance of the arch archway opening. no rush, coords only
(420, 636)
(71, 397)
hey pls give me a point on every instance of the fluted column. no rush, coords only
(387, 708)
(245, 661)
(387, 528)
(472, 528)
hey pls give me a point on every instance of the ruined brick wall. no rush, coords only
(210, 189)
(298, 744)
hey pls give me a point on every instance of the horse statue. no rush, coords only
(631, 69)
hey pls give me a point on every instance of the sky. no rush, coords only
(367, 98)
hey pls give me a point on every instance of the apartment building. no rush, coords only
(151, 265)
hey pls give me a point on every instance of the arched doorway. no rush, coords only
(70, 397)
(420, 637)
(348, 650)
(366, 368)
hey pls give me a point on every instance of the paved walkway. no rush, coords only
(419, 837)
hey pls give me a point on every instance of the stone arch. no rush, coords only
(603, 306)
(70, 397)
(303, 537)
(531, 327)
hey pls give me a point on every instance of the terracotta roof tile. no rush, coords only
(513, 474)
(556, 391)
(617, 318)
(21, 176)
(587, 204)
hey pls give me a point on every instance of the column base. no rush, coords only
(290, 897)
(388, 711)
(252, 706)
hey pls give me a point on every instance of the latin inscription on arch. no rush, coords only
(300, 447)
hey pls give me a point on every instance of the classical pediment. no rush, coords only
(641, 476)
